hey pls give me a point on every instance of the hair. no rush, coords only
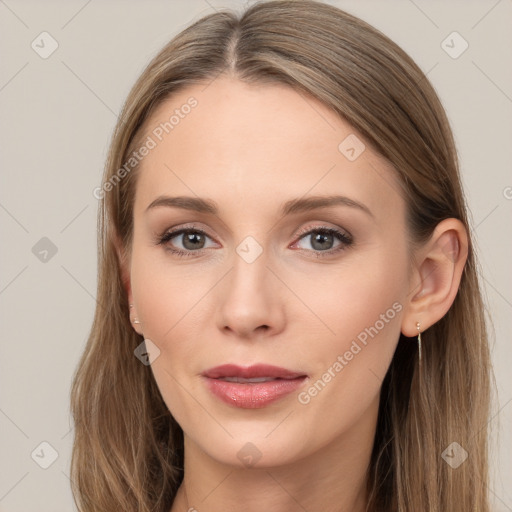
(128, 449)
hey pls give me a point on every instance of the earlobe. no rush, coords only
(437, 276)
(136, 324)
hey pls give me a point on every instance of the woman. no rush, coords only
(289, 312)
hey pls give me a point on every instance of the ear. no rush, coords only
(436, 276)
(124, 265)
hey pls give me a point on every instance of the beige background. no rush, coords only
(57, 118)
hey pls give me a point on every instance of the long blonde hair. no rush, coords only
(128, 449)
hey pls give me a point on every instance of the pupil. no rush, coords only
(193, 241)
(320, 239)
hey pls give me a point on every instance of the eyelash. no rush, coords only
(346, 240)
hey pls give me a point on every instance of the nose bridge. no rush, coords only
(249, 280)
(250, 297)
(249, 274)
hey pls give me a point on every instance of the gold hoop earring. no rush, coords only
(419, 340)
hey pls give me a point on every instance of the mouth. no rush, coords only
(252, 387)
(254, 380)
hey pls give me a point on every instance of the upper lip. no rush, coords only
(249, 372)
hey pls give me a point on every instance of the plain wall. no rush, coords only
(57, 117)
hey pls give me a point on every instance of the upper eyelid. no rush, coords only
(302, 231)
(310, 229)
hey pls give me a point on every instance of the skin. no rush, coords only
(250, 148)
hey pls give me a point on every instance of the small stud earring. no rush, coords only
(419, 340)
(135, 320)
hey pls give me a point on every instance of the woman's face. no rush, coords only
(264, 274)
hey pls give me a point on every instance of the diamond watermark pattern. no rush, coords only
(454, 45)
(44, 250)
(44, 455)
(351, 147)
(249, 455)
(147, 352)
(249, 249)
(454, 455)
(44, 45)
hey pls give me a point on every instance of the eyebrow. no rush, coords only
(293, 206)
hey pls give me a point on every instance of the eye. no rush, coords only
(191, 241)
(324, 241)
(184, 241)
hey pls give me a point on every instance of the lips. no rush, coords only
(251, 372)
(252, 387)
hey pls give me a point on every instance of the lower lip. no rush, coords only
(253, 396)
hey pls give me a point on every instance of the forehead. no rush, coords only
(249, 145)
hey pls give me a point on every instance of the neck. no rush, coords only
(332, 479)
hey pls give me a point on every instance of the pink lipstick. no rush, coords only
(252, 387)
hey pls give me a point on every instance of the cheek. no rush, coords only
(168, 298)
(172, 302)
(360, 308)
(345, 300)
(164, 292)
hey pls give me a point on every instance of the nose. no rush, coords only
(251, 300)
